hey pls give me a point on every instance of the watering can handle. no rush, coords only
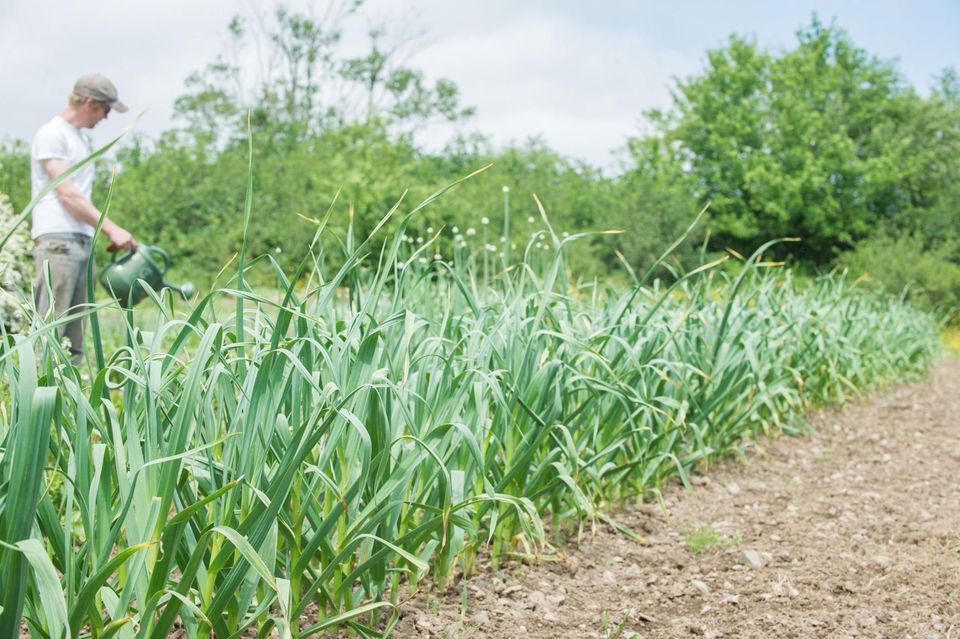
(153, 250)
(115, 255)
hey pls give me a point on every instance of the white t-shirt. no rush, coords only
(58, 139)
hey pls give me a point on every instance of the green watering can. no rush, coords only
(147, 263)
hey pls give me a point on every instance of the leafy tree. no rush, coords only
(304, 85)
(935, 141)
(824, 141)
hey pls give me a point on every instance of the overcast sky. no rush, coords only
(579, 73)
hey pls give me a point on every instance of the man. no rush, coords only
(64, 220)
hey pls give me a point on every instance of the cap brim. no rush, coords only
(119, 107)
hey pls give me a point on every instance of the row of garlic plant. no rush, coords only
(301, 464)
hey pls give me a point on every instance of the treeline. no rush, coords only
(824, 142)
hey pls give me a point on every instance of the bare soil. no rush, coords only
(851, 532)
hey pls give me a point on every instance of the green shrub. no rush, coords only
(905, 264)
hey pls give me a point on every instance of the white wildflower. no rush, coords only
(16, 267)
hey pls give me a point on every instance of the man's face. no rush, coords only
(92, 112)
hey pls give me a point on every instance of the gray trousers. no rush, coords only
(67, 255)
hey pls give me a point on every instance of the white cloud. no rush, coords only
(146, 48)
(582, 88)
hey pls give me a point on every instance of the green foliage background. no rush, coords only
(824, 142)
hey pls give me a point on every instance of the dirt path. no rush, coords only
(854, 532)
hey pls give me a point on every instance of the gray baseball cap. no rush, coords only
(99, 88)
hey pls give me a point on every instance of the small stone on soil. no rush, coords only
(536, 599)
(751, 558)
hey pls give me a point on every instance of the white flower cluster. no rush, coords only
(16, 265)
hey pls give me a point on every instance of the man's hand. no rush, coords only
(119, 238)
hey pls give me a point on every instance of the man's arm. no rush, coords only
(80, 207)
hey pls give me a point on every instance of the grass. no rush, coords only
(707, 537)
(616, 630)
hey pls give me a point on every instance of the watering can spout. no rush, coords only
(186, 290)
